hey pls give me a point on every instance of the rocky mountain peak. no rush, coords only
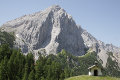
(55, 8)
(51, 30)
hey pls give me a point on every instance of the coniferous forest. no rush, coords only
(16, 66)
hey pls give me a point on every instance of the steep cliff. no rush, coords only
(51, 30)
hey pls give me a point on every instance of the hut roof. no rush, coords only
(92, 66)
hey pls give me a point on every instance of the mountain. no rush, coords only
(101, 48)
(51, 30)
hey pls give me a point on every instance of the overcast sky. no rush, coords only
(101, 18)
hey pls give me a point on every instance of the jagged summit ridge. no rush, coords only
(51, 30)
(55, 8)
(37, 16)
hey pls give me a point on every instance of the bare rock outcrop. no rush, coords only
(51, 30)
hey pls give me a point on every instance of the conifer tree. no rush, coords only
(25, 76)
(31, 75)
(4, 69)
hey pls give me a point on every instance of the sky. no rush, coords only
(101, 18)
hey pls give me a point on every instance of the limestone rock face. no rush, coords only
(51, 30)
(101, 48)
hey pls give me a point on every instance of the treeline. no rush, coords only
(16, 66)
(112, 67)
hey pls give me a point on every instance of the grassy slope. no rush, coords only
(83, 77)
